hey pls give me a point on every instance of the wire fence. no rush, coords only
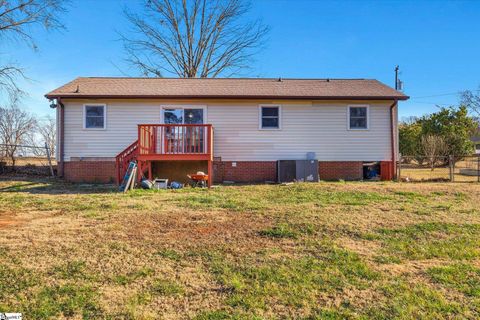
(439, 169)
(26, 159)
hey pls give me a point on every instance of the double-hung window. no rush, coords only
(94, 116)
(270, 117)
(358, 117)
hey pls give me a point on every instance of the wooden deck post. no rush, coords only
(210, 153)
(210, 173)
(139, 171)
(150, 170)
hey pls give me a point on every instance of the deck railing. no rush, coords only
(175, 139)
(123, 159)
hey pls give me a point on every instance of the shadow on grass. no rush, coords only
(51, 185)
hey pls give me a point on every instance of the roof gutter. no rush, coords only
(76, 96)
(61, 134)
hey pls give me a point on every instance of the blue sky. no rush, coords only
(434, 42)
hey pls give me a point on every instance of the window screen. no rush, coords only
(270, 118)
(358, 118)
(95, 117)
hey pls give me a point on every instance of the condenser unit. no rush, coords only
(297, 170)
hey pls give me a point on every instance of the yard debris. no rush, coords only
(160, 184)
(176, 185)
(129, 178)
(146, 184)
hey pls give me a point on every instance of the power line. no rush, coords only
(444, 94)
(431, 102)
(437, 95)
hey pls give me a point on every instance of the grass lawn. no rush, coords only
(302, 251)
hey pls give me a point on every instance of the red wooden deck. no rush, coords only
(157, 142)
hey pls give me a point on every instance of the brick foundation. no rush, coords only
(245, 171)
(90, 171)
(335, 170)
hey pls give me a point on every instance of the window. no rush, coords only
(184, 139)
(193, 116)
(173, 116)
(358, 117)
(94, 116)
(270, 117)
(183, 115)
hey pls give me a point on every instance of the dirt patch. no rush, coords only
(8, 220)
(364, 248)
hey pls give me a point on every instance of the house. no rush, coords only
(476, 143)
(235, 129)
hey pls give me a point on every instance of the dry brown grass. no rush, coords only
(345, 250)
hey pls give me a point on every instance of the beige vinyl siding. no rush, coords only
(121, 128)
(320, 127)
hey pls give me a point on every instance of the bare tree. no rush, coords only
(44, 134)
(471, 99)
(15, 127)
(434, 148)
(193, 38)
(17, 17)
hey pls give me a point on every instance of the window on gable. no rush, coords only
(358, 117)
(270, 118)
(94, 117)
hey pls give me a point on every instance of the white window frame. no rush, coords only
(368, 116)
(177, 106)
(85, 115)
(260, 116)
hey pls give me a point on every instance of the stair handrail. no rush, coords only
(123, 158)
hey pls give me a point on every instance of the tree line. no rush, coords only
(23, 133)
(448, 132)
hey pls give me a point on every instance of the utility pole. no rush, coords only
(396, 77)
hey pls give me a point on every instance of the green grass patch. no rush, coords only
(224, 315)
(170, 254)
(279, 231)
(403, 300)
(410, 196)
(64, 300)
(125, 279)
(261, 198)
(166, 287)
(71, 270)
(13, 281)
(432, 240)
(462, 277)
(292, 282)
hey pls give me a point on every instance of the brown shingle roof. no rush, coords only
(226, 88)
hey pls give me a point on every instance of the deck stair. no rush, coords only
(123, 159)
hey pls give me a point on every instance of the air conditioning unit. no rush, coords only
(297, 170)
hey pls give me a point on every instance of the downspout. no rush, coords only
(392, 139)
(61, 165)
